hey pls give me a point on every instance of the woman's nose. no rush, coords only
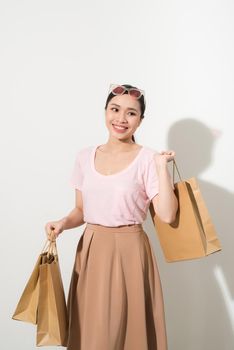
(122, 117)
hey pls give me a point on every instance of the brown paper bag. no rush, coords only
(26, 309)
(52, 325)
(192, 235)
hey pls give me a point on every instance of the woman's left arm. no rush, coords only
(165, 202)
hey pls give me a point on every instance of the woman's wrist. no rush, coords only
(161, 167)
(64, 221)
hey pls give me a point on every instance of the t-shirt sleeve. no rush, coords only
(151, 179)
(76, 178)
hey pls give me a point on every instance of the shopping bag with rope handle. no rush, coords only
(192, 235)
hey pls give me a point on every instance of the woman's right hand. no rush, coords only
(54, 228)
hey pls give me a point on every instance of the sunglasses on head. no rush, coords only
(120, 90)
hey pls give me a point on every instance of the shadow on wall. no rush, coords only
(199, 294)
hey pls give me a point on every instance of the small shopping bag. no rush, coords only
(52, 320)
(192, 235)
(26, 309)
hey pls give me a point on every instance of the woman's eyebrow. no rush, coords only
(114, 104)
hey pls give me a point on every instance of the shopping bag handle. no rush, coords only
(175, 165)
(50, 247)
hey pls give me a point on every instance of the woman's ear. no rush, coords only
(140, 121)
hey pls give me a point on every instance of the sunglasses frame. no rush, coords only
(112, 86)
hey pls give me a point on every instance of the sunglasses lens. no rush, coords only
(118, 90)
(135, 93)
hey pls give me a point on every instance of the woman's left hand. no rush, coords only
(163, 157)
(168, 155)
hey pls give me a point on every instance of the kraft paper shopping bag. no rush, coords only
(192, 235)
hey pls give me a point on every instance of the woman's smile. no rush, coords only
(119, 129)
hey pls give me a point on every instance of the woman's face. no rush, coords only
(123, 116)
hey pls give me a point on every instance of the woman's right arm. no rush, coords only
(74, 219)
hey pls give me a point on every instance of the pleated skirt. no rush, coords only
(115, 299)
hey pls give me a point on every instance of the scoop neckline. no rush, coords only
(93, 153)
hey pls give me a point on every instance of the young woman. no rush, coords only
(115, 299)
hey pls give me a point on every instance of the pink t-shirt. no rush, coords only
(118, 199)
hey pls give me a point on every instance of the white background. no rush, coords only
(57, 61)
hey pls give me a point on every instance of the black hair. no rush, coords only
(141, 102)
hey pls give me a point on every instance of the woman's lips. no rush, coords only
(119, 129)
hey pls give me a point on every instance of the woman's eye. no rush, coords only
(116, 110)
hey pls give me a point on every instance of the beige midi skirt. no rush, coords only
(115, 299)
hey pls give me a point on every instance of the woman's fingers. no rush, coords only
(50, 231)
(170, 154)
(53, 229)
